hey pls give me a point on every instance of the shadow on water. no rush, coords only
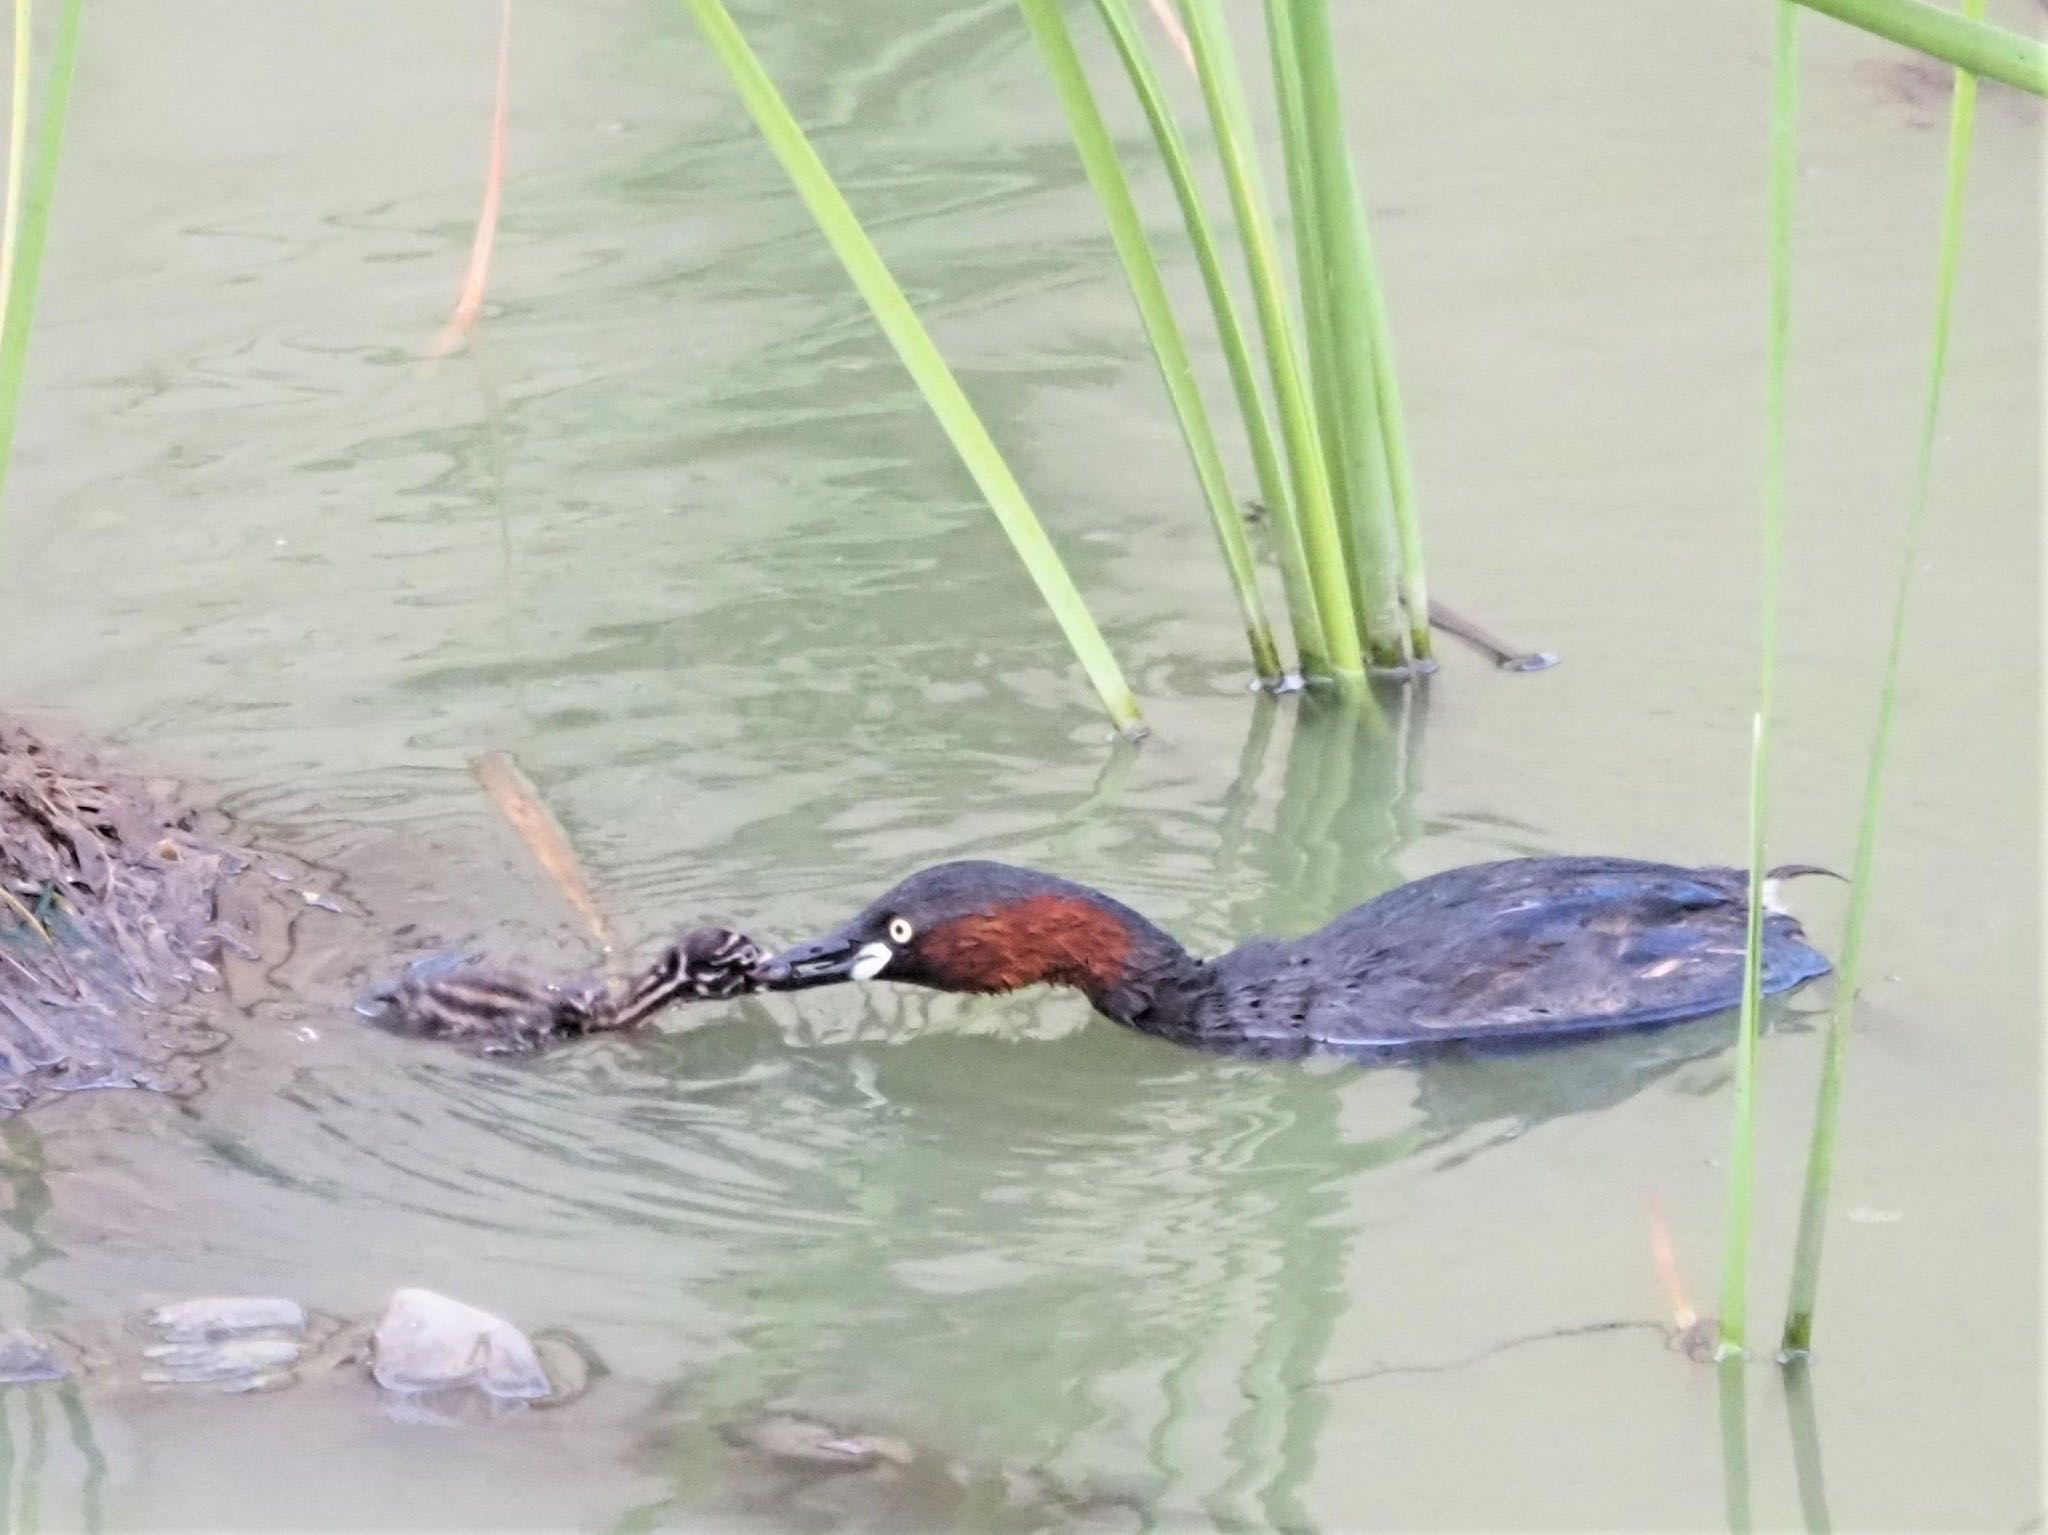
(27, 1465)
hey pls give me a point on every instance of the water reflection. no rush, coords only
(29, 1470)
(1803, 1429)
(1734, 1405)
(1806, 1463)
(1345, 813)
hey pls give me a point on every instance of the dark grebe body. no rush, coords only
(1523, 949)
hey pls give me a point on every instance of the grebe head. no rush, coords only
(978, 926)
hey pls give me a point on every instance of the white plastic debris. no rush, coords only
(236, 1364)
(234, 1342)
(25, 1358)
(224, 1316)
(427, 1342)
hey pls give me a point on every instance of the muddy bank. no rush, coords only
(116, 906)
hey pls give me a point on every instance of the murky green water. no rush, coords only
(681, 538)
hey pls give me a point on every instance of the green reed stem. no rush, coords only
(17, 146)
(1230, 331)
(1321, 542)
(1333, 222)
(33, 229)
(1394, 431)
(1820, 1155)
(1741, 1152)
(1230, 123)
(1964, 41)
(1308, 245)
(913, 344)
(1309, 282)
(1141, 267)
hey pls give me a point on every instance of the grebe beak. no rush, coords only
(825, 962)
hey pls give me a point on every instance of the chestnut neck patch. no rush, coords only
(1053, 939)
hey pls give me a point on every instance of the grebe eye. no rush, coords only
(900, 930)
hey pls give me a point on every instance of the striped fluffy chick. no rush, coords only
(498, 1012)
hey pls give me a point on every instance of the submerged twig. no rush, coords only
(1665, 1259)
(1693, 1335)
(1548, 1335)
(1487, 643)
(521, 805)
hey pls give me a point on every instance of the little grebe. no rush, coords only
(1522, 949)
(450, 996)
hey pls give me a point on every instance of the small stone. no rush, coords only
(1700, 1341)
(802, 1441)
(224, 1316)
(427, 1342)
(25, 1359)
(569, 1369)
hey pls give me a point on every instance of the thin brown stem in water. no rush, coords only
(1162, 12)
(521, 805)
(470, 302)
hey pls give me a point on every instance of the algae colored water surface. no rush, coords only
(677, 533)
